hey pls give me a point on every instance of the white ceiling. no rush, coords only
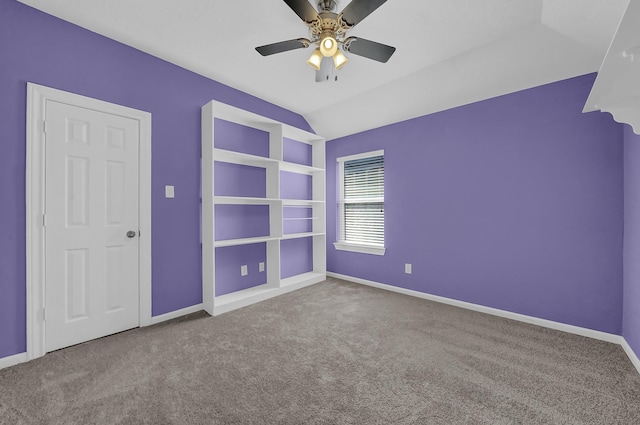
(449, 52)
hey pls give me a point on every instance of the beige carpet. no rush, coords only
(333, 353)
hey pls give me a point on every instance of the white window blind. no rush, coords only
(362, 200)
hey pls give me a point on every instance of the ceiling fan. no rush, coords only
(328, 31)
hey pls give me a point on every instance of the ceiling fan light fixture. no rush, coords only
(315, 59)
(339, 59)
(328, 46)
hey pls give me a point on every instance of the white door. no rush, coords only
(91, 203)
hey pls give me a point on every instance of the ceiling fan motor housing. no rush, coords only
(327, 22)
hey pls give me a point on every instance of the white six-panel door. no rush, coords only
(91, 224)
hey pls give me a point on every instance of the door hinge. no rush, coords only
(44, 127)
(44, 220)
(44, 313)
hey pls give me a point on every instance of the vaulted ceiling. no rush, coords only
(449, 52)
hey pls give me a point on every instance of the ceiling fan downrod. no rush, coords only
(328, 6)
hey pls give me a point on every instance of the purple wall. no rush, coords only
(42, 49)
(239, 180)
(295, 185)
(297, 220)
(513, 203)
(240, 138)
(228, 262)
(241, 221)
(296, 256)
(298, 152)
(631, 286)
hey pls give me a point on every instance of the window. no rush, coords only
(361, 203)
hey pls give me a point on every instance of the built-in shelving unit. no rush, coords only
(288, 198)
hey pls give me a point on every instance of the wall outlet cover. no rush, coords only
(261, 266)
(244, 270)
(407, 268)
(169, 192)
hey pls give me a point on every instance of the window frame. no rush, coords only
(343, 245)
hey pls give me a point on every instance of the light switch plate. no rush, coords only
(261, 266)
(243, 270)
(169, 192)
(407, 268)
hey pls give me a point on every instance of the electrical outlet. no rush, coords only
(407, 268)
(261, 266)
(243, 270)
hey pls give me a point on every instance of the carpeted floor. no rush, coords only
(333, 353)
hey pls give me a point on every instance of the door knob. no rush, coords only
(131, 234)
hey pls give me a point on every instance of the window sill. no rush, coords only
(363, 249)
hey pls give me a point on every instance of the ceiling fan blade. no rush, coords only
(369, 49)
(283, 46)
(303, 9)
(357, 10)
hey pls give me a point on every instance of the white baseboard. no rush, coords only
(23, 357)
(13, 360)
(603, 336)
(631, 354)
(239, 300)
(177, 313)
(577, 330)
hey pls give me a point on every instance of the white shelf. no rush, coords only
(234, 297)
(299, 168)
(301, 235)
(245, 297)
(243, 241)
(305, 277)
(301, 202)
(273, 166)
(242, 158)
(301, 135)
(239, 200)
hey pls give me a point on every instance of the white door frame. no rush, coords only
(37, 96)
